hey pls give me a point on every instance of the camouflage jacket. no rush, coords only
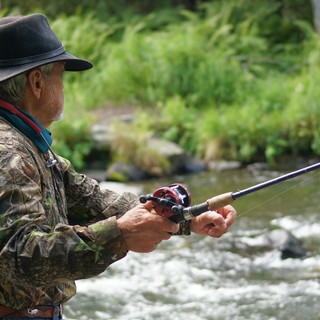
(56, 225)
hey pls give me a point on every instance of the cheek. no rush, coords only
(57, 96)
(56, 101)
(62, 96)
(61, 93)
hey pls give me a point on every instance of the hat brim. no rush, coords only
(72, 63)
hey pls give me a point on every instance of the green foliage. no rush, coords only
(242, 74)
(72, 138)
(130, 145)
(223, 75)
(303, 112)
(174, 121)
(254, 130)
(82, 90)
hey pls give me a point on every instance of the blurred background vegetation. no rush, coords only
(239, 75)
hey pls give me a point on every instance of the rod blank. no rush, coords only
(238, 194)
(224, 199)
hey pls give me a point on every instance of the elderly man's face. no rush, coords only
(51, 108)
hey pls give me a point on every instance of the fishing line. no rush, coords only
(277, 195)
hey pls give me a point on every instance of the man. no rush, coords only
(56, 225)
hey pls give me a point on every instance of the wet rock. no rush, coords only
(278, 239)
(223, 165)
(124, 172)
(287, 243)
(171, 151)
(102, 133)
(258, 166)
(194, 165)
(179, 162)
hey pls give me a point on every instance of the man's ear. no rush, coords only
(35, 82)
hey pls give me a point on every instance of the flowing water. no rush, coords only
(199, 278)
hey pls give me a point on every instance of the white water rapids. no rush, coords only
(200, 278)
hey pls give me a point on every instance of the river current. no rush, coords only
(234, 277)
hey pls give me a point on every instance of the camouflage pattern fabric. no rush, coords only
(56, 225)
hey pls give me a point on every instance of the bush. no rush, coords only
(240, 73)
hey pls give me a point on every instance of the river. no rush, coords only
(201, 278)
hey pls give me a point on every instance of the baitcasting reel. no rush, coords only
(169, 201)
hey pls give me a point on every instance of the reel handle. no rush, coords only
(220, 201)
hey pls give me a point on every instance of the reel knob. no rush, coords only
(169, 201)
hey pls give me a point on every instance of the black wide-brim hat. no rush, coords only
(27, 42)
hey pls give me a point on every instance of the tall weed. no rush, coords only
(241, 73)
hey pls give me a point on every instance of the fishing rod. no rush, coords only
(174, 201)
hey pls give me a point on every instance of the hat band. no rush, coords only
(38, 57)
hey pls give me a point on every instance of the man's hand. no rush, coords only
(214, 223)
(143, 230)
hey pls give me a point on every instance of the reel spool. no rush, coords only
(166, 200)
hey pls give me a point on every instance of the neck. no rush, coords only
(27, 124)
(23, 115)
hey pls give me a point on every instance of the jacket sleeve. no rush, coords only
(87, 202)
(35, 250)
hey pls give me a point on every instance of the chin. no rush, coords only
(59, 117)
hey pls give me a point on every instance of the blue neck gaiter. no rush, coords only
(27, 124)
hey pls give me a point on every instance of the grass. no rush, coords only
(242, 75)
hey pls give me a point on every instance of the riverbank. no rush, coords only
(249, 93)
(99, 165)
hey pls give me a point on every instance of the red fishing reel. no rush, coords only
(168, 201)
